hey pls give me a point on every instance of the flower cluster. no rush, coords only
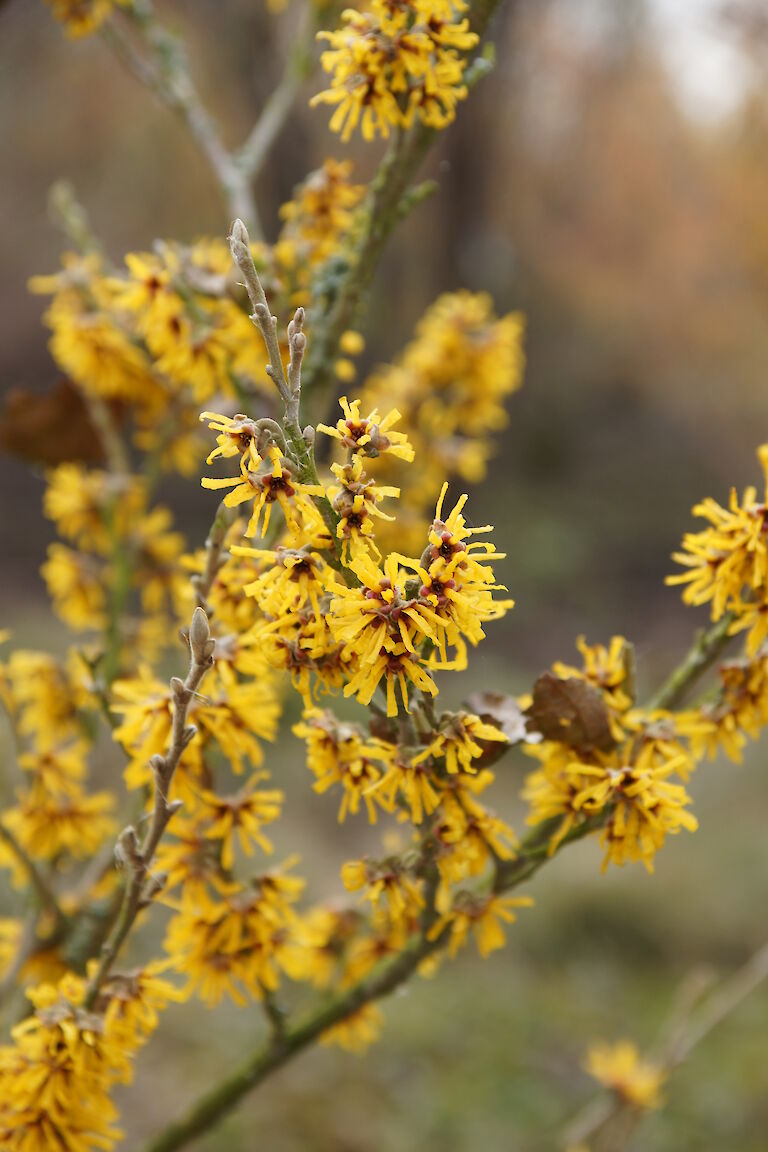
(318, 576)
(56, 1076)
(394, 63)
(726, 564)
(55, 819)
(618, 768)
(316, 223)
(738, 711)
(116, 543)
(450, 385)
(170, 331)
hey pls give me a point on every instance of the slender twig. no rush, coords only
(111, 440)
(226, 1095)
(601, 1114)
(28, 945)
(252, 154)
(719, 1005)
(89, 944)
(141, 886)
(389, 198)
(704, 652)
(289, 387)
(158, 61)
(240, 246)
(45, 894)
(275, 1015)
(70, 216)
(163, 68)
(214, 555)
(534, 852)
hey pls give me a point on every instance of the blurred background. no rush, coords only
(609, 179)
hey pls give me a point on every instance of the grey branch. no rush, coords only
(137, 858)
(240, 246)
(159, 62)
(156, 57)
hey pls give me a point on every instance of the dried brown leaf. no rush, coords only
(49, 428)
(570, 711)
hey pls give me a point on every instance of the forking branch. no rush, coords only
(156, 57)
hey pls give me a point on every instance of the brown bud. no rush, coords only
(127, 847)
(158, 764)
(178, 691)
(199, 635)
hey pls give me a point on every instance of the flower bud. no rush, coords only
(199, 635)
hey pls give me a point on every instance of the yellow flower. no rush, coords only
(388, 879)
(243, 816)
(264, 483)
(383, 939)
(344, 370)
(51, 824)
(450, 384)
(471, 838)
(456, 588)
(146, 707)
(238, 942)
(132, 1001)
(355, 499)
(302, 645)
(59, 769)
(378, 618)
(414, 782)
(481, 915)
(57, 1075)
(664, 736)
(190, 344)
(352, 343)
(11, 933)
(75, 583)
(457, 741)
(87, 342)
(394, 63)
(76, 499)
(370, 435)
(317, 223)
(337, 753)
(726, 564)
(357, 1031)
(739, 711)
(619, 1067)
(394, 664)
(295, 577)
(235, 612)
(237, 435)
(43, 697)
(641, 806)
(149, 279)
(186, 855)
(237, 714)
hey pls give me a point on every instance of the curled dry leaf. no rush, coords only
(570, 711)
(49, 429)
